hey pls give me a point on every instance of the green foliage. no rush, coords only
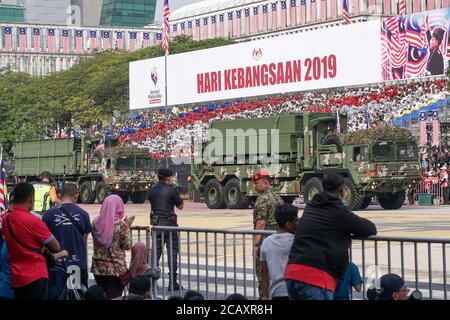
(35, 107)
(369, 136)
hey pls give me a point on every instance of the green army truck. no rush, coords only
(97, 170)
(379, 162)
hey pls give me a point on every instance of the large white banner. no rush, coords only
(324, 58)
(147, 83)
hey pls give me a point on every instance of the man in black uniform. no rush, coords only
(435, 65)
(163, 198)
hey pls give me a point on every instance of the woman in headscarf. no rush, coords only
(112, 238)
(139, 260)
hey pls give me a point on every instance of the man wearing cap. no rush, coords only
(163, 200)
(319, 253)
(435, 65)
(443, 176)
(71, 226)
(263, 214)
(392, 288)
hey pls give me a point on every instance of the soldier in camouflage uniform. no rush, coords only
(263, 214)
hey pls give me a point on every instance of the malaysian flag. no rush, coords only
(230, 24)
(92, 40)
(166, 33)
(51, 43)
(368, 125)
(313, 10)
(133, 41)
(274, 16)
(79, 41)
(106, 40)
(205, 28)
(65, 41)
(101, 145)
(222, 26)
(416, 6)
(345, 12)
(334, 10)
(402, 7)
(23, 39)
(303, 11)
(415, 31)
(265, 18)
(323, 10)
(293, 13)
(213, 27)
(283, 14)
(385, 62)
(387, 6)
(430, 5)
(182, 27)
(238, 23)
(416, 62)
(189, 28)
(435, 128)
(356, 7)
(146, 40)
(8, 38)
(158, 38)
(174, 30)
(3, 189)
(37, 39)
(396, 40)
(423, 128)
(247, 21)
(197, 29)
(255, 20)
(119, 40)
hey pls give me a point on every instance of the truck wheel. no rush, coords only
(366, 202)
(101, 192)
(351, 199)
(87, 196)
(288, 199)
(392, 201)
(138, 197)
(234, 198)
(312, 187)
(214, 195)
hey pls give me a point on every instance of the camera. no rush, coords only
(374, 293)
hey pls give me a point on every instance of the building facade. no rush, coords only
(89, 10)
(243, 19)
(12, 13)
(129, 13)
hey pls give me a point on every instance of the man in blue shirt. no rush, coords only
(351, 278)
(71, 225)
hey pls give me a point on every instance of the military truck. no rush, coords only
(98, 167)
(379, 162)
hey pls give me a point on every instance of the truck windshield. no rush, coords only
(383, 151)
(406, 151)
(143, 163)
(125, 163)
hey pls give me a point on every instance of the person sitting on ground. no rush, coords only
(236, 297)
(275, 253)
(193, 295)
(351, 278)
(393, 288)
(139, 289)
(139, 260)
(95, 293)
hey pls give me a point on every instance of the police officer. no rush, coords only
(263, 213)
(163, 198)
(46, 195)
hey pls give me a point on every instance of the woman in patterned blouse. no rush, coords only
(112, 238)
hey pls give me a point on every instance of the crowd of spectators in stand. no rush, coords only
(180, 126)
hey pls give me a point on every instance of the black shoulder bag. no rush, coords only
(46, 253)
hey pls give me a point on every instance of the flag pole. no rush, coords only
(167, 113)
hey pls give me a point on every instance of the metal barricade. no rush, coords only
(218, 263)
(429, 186)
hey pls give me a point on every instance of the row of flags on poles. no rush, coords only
(435, 129)
(96, 39)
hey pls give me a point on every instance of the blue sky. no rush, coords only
(173, 5)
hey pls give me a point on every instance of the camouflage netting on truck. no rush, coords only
(371, 135)
(125, 149)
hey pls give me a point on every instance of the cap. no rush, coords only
(438, 33)
(390, 283)
(260, 174)
(165, 173)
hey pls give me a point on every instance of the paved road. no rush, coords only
(228, 267)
